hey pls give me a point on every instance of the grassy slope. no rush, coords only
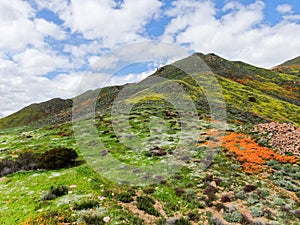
(35, 112)
(20, 193)
(291, 67)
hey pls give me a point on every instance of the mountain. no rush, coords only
(290, 67)
(158, 152)
(35, 112)
(251, 94)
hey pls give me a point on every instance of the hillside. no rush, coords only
(164, 151)
(291, 67)
(274, 95)
(35, 112)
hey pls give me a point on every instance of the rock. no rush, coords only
(214, 184)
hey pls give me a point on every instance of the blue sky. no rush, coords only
(47, 46)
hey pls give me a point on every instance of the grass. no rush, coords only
(209, 186)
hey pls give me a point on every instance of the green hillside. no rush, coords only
(291, 67)
(159, 151)
(35, 113)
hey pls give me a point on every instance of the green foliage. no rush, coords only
(147, 204)
(256, 211)
(55, 192)
(124, 197)
(85, 204)
(57, 158)
(182, 221)
(233, 217)
(92, 217)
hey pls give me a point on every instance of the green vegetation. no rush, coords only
(46, 180)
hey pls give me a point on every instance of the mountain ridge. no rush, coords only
(273, 85)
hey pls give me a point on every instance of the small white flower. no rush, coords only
(101, 198)
(106, 219)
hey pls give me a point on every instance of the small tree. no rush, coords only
(57, 158)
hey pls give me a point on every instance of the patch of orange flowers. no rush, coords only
(250, 154)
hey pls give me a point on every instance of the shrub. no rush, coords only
(147, 204)
(297, 214)
(240, 195)
(233, 217)
(215, 221)
(59, 190)
(179, 191)
(48, 196)
(92, 216)
(210, 190)
(172, 206)
(124, 197)
(193, 216)
(25, 161)
(55, 192)
(85, 204)
(189, 195)
(149, 190)
(262, 193)
(253, 199)
(57, 158)
(182, 221)
(268, 213)
(226, 198)
(107, 193)
(249, 188)
(256, 211)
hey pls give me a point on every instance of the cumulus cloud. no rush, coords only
(129, 78)
(34, 62)
(108, 21)
(284, 8)
(292, 17)
(17, 30)
(18, 91)
(239, 34)
(32, 45)
(49, 29)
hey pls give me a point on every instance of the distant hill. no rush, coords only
(291, 67)
(36, 112)
(252, 94)
(295, 61)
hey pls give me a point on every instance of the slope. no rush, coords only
(252, 94)
(35, 112)
(290, 67)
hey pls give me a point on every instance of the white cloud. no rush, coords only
(106, 20)
(291, 17)
(239, 34)
(20, 90)
(49, 28)
(16, 28)
(284, 8)
(129, 78)
(33, 62)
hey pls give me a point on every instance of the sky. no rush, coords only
(46, 46)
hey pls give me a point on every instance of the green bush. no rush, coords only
(57, 158)
(55, 192)
(189, 195)
(256, 211)
(85, 204)
(240, 195)
(147, 204)
(233, 217)
(124, 197)
(182, 221)
(59, 190)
